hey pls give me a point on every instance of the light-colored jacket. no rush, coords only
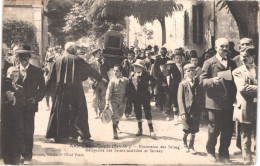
(246, 97)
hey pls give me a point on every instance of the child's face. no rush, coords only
(14, 76)
(117, 72)
(194, 61)
(131, 56)
(190, 72)
(138, 69)
(178, 59)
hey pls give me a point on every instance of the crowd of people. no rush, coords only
(221, 84)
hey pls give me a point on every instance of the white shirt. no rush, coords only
(223, 62)
(23, 70)
(134, 79)
(191, 81)
(180, 69)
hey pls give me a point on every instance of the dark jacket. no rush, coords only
(173, 81)
(188, 101)
(142, 90)
(34, 86)
(222, 96)
(156, 71)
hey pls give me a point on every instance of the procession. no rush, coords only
(118, 100)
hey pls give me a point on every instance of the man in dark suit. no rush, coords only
(243, 44)
(173, 79)
(32, 80)
(220, 96)
(160, 78)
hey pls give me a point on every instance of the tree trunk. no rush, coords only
(245, 14)
(162, 21)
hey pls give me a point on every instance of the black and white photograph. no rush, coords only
(129, 82)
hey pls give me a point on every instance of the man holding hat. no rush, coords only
(245, 108)
(140, 80)
(32, 80)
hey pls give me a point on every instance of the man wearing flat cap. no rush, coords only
(32, 80)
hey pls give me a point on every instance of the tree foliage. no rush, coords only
(56, 12)
(245, 14)
(76, 24)
(18, 32)
(144, 11)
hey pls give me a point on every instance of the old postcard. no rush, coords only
(93, 82)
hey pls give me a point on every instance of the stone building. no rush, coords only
(31, 11)
(195, 27)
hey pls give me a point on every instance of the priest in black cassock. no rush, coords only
(69, 113)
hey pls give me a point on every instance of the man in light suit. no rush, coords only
(219, 99)
(32, 80)
(243, 44)
(245, 108)
(239, 60)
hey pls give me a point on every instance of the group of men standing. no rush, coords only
(224, 91)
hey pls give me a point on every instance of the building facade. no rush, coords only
(31, 11)
(196, 26)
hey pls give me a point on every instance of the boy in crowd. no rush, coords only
(140, 80)
(116, 97)
(194, 59)
(176, 75)
(12, 118)
(99, 88)
(128, 68)
(189, 107)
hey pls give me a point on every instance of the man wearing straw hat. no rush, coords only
(32, 80)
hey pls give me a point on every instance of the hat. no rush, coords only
(51, 59)
(106, 116)
(95, 51)
(139, 62)
(23, 49)
(189, 65)
(179, 53)
(170, 62)
(251, 50)
(246, 40)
